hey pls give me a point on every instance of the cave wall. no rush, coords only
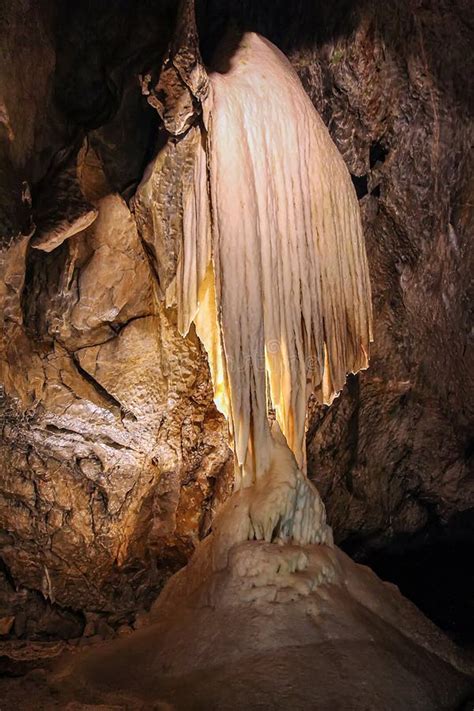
(395, 451)
(113, 457)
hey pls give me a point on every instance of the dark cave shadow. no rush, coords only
(98, 43)
(289, 25)
(412, 30)
(432, 568)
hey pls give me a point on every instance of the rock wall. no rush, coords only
(395, 452)
(113, 455)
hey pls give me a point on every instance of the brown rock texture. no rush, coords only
(395, 452)
(113, 457)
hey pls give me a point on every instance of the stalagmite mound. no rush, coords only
(268, 627)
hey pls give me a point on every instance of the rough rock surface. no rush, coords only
(113, 456)
(395, 451)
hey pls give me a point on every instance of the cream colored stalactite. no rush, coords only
(195, 252)
(275, 275)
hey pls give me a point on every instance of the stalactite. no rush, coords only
(272, 266)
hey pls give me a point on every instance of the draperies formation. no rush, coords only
(272, 267)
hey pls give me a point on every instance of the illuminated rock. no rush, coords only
(272, 266)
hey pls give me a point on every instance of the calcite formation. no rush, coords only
(272, 269)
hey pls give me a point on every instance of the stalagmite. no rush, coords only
(272, 268)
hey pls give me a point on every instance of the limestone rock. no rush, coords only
(182, 82)
(62, 210)
(121, 417)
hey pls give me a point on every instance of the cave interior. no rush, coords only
(115, 460)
